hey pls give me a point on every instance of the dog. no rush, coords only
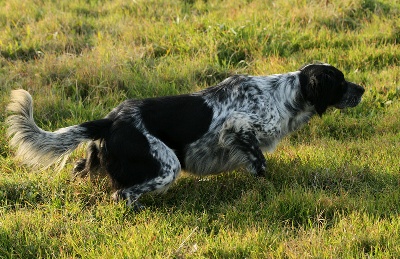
(144, 144)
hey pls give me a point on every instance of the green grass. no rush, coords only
(332, 189)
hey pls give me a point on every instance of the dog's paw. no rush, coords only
(260, 164)
(262, 172)
(79, 168)
(129, 200)
(258, 168)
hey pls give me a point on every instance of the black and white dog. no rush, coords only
(143, 144)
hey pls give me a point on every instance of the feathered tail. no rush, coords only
(40, 148)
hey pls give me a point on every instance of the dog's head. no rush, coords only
(324, 85)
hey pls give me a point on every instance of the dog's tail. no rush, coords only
(40, 148)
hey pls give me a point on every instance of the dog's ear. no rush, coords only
(317, 89)
(321, 89)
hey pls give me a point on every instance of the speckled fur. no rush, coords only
(251, 115)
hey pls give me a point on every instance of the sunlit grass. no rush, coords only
(332, 189)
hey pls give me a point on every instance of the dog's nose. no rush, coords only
(362, 90)
(358, 88)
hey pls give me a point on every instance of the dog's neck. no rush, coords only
(287, 91)
(293, 109)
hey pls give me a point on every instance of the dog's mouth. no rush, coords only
(352, 97)
(353, 101)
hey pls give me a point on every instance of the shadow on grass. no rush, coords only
(303, 197)
(53, 192)
(297, 195)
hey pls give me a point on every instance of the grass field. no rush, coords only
(332, 189)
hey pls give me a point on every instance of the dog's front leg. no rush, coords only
(238, 135)
(248, 144)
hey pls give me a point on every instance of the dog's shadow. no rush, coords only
(311, 194)
(290, 193)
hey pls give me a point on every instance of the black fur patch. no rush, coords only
(125, 156)
(176, 120)
(98, 128)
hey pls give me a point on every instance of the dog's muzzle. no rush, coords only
(351, 97)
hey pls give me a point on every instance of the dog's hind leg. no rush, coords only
(168, 172)
(131, 194)
(88, 165)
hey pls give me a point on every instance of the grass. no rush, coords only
(332, 189)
